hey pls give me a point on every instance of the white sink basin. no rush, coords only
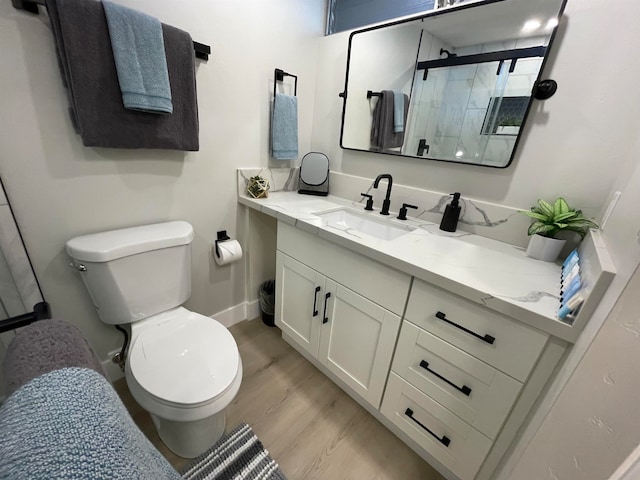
(372, 224)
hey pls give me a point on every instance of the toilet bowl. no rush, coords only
(182, 367)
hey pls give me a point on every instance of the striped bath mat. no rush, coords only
(238, 455)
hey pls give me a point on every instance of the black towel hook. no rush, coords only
(279, 75)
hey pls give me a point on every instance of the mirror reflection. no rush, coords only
(455, 85)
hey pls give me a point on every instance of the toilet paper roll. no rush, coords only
(230, 251)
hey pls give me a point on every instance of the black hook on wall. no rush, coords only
(545, 89)
(449, 54)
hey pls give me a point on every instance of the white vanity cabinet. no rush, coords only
(343, 310)
(449, 341)
(457, 373)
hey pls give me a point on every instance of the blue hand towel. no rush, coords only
(138, 50)
(398, 111)
(284, 127)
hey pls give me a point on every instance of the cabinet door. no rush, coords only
(299, 302)
(357, 341)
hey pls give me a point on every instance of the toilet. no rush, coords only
(182, 367)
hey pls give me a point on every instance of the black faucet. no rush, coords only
(402, 215)
(386, 202)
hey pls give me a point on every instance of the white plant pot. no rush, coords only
(544, 248)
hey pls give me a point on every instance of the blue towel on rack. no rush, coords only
(284, 127)
(138, 50)
(398, 111)
(87, 64)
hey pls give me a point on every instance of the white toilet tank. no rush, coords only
(133, 273)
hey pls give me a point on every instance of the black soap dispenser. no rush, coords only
(449, 221)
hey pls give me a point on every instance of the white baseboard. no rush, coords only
(238, 313)
(230, 316)
(253, 309)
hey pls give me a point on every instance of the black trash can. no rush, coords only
(267, 295)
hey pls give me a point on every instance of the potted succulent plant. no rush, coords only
(548, 221)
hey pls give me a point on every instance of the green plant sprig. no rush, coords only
(549, 219)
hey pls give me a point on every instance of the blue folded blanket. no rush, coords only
(71, 424)
(284, 127)
(138, 50)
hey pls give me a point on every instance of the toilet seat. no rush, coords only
(183, 365)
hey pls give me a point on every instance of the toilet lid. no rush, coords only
(189, 359)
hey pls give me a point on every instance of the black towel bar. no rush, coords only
(41, 311)
(201, 50)
(279, 75)
(373, 94)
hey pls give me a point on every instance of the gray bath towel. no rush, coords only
(44, 346)
(383, 136)
(86, 58)
(138, 50)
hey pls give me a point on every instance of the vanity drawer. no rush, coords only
(473, 390)
(510, 346)
(451, 441)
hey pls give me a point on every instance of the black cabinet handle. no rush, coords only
(444, 440)
(315, 301)
(464, 389)
(325, 319)
(486, 338)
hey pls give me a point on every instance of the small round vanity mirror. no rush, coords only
(314, 174)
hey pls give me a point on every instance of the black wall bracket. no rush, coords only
(222, 237)
(41, 311)
(545, 89)
(278, 76)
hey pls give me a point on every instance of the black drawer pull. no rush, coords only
(444, 440)
(325, 319)
(315, 301)
(486, 338)
(464, 389)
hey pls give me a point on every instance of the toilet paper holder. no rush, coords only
(222, 237)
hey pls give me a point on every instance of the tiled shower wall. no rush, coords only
(458, 97)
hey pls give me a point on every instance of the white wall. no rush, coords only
(60, 189)
(591, 411)
(587, 439)
(582, 144)
(571, 146)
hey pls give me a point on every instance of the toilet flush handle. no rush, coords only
(78, 266)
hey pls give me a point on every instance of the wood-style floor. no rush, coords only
(309, 425)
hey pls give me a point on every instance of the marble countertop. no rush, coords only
(494, 274)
